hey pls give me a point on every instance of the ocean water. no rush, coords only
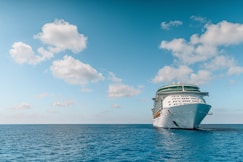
(141, 142)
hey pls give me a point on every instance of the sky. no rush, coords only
(101, 61)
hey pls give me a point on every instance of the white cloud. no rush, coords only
(122, 90)
(199, 19)
(61, 36)
(52, 111)
(168, 25)
(202, 77)
(232, 81)
(187, 52)
(23, 106)
(220, 62)
(58, 36)
(235, 70)
(65, 103)
(45, 54)
(204, 51)
(85, 89)
(114, 78)
(74, 71)
(168, 74)
(117, 89)
(182, 74)
(201, 48)
(42, 95)
(224, 33)
(23, 53)
(116, 106)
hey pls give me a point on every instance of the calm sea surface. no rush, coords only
(120, 143)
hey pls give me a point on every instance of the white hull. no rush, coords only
(187, 116)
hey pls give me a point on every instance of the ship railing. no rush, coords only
(184, 92)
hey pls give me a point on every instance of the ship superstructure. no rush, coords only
(179, 106)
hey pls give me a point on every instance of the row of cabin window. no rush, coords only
(183, 101)
(187, 98)
(186, 101)
(180, 96)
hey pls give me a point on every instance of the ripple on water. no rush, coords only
(119, 143)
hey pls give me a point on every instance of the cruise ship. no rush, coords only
(179, 106)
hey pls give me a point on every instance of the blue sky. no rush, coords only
(95, 61)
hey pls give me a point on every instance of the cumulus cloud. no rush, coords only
(224, 62)
(167, 74)
(219, 62)
(23, 53)
(122, 90)
(203, 51)
(227, 33)
(187, 52)
(199, 19)
(114, 78)
(118, 89)
(167, 26)
(85, 89)
(74, 71)
(205, 46)
(45, 54)
(60, 36)
(42, 95)
(181, 74)
(65, 103)
(202, 77)
(23, 106)
(235, 70)
(116, 106)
